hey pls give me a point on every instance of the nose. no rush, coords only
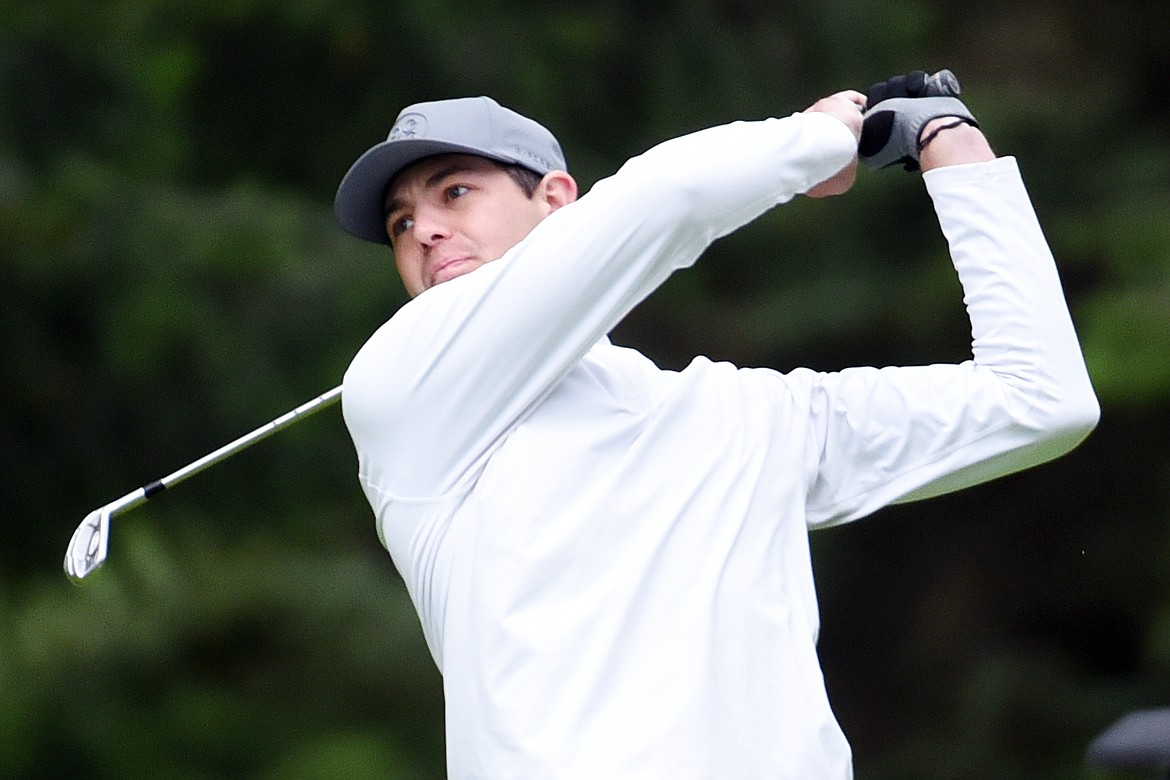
(429, 227)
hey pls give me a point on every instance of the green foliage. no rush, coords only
(171, 277)
(209, 663)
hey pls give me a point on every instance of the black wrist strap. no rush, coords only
(949, 126)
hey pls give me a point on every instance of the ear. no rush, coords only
(557, 188)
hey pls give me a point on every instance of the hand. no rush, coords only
(900, 108)
(846, 106)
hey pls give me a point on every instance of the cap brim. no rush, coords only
(358, 203)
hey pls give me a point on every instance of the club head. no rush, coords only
(1139, 741)
(87, 548)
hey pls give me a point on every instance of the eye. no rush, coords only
(456, 191)
(400, 226)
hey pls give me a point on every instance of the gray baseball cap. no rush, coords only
(474, 125)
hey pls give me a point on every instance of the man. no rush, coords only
(611, 561)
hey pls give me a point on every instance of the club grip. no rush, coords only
(942, 84)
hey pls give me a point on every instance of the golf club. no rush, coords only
(1138, 742)
(944, 83)
(90, 542)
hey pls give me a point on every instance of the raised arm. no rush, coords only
(439, 384)
(894, 434)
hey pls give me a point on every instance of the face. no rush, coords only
(447, 215)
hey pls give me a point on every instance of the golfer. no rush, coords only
(610, 561)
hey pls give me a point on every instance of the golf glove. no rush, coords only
(898, 110)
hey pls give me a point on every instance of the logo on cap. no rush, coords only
(408, 126)
(522, 154)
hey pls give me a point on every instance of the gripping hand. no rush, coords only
(898, 110)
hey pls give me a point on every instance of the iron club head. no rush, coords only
(87, 548)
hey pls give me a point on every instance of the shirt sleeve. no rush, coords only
(432, 391)
(896, 434)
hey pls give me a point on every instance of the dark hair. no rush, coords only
(526, 178)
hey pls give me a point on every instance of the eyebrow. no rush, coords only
(390, 206)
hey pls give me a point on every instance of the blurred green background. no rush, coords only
(171, 277)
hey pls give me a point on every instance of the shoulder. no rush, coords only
(414, 334)
(381, 369)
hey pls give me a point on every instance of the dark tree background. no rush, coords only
(171, 277)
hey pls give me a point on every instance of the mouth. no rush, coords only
(448, 269)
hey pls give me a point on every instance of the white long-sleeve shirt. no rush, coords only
(610, 561)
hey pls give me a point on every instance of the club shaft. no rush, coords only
(88, 546)
(247, 440)
(151, 489)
